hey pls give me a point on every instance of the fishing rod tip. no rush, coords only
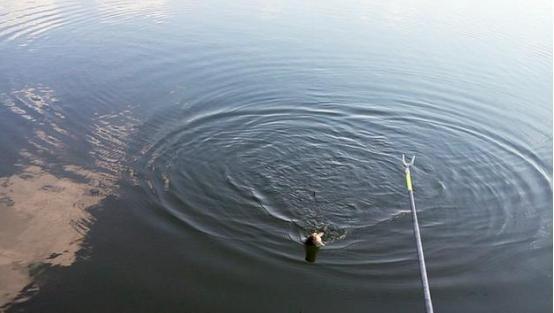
(406, 163)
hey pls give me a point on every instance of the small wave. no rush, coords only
(28, 21)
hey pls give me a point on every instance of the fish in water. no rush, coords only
(312, 245)
(314, 239)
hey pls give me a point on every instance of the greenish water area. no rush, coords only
(163, 156)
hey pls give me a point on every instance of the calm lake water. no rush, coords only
(162, 156)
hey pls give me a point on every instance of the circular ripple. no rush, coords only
(261, 168)
(250, 174)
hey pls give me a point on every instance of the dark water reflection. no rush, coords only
(200, 131)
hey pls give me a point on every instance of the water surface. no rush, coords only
(183, 143)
